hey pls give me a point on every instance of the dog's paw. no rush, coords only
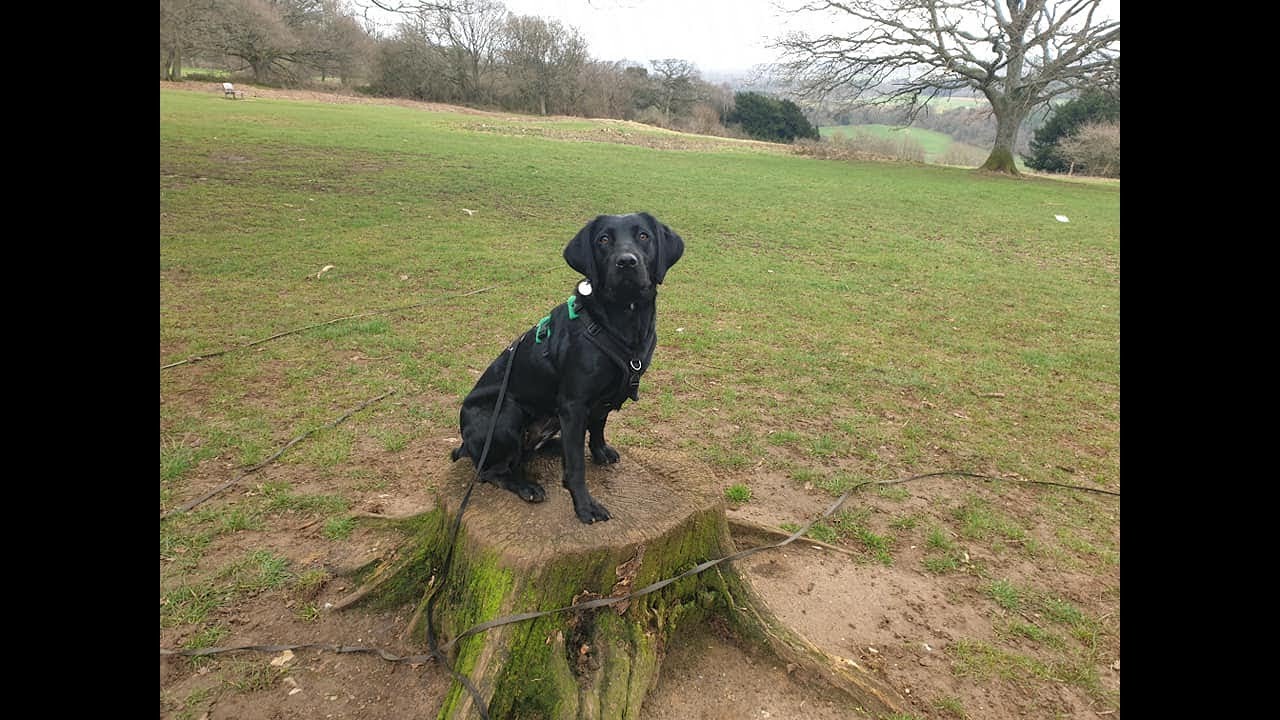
(531, 492)
(591, 511)
(604, 455)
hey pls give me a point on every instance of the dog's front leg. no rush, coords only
(601, 452)
(573, 434)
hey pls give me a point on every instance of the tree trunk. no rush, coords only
(514, 557)
(173, 65)
(1008, 122)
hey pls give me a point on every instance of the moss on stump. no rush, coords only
(515, 557)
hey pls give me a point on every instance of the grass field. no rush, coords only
(937, 147)
(934, 143)
(824, 293)
(829, 319)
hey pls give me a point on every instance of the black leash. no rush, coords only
(436, 651)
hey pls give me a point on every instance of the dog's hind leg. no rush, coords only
(512, 478)
(504, 463)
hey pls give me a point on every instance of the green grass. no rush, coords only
(984, 661)
(1036, 634)
(248, 677)
(904, 523)
(190, 604)
(208, 637)
(259, 570)
(951, 706)
(1006, 594)
(940, 565)
(941, 554)
(205, 72)
(893, 492)
(280, 497)
(339, 528)
(307, 612)
(839, 320)
(850, 527)
(933, 142)
(980, 521)
(193, 703)
(737, 493)
(308, 583)
(937, 147)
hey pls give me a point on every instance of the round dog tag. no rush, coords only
(584, 287)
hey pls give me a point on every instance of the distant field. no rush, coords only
(940, 104)
(211, 72)
(938, 147)
(934, 143)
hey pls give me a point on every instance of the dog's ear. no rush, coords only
(670, 248)
(580, 253)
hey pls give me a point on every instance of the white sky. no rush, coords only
(716, 35)
(712, 34)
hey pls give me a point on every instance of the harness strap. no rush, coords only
(632, 367)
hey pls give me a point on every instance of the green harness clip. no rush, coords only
(543, 331)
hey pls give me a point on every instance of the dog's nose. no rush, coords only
(627, 260)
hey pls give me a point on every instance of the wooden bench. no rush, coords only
(229, 90)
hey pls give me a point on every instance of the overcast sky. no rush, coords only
(712, 34)
(718, 36)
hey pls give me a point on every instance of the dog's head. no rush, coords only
(625, 256)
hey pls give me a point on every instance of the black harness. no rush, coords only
(632, 359)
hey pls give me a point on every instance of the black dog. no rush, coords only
(577, 364)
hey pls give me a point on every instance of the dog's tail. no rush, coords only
(458, 452)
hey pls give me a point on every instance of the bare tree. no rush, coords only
(343, 46)
(255, 32)
(184, 24)
(1017, 53)
(606, 89)
(1094, 149)
(544, 60)
(468, 33)
(675, 80)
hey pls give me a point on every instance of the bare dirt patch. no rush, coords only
(899, 618)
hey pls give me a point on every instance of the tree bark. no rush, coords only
(513, 557)
(1008, 122)
(173, 65)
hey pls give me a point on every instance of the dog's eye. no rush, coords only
(644, 236)
(603, 240)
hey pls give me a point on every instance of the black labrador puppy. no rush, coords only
(579, 363)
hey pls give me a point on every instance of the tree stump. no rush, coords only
(513, 557)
